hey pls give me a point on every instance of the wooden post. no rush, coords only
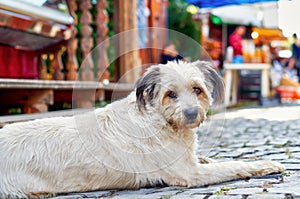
(102, 30)
(72, 63)
(126, 19)
(42, 69)
(86, 41)
(157, 19)
(57, 66)
(84, 98)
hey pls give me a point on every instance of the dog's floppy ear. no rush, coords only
(145, 86)
(213, 81)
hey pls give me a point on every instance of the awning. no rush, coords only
(258, 14)
(243, 15)
(219, 3)
(28, 26)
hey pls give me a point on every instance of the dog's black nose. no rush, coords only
(190, 114)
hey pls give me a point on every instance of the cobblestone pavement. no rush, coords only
(247, 134)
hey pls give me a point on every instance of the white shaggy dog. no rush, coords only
(142, 140)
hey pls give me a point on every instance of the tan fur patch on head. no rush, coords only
(204, 101)
(166, 100)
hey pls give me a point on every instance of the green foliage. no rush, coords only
(286, 173)
(15, 111)
(167, 196)
(101, 104)
(179, 19)
(110, 11)
(224, 190)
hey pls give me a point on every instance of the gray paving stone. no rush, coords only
(68, 197)
(267, 196)
(96, 194)
(279, 127)
(279, 142)
(194, 193)
(293, 167)
(226, 197)
(247, 150)
(291, 161)
(280, 156)
(293, 189)
(254, 143)
(295, 155)
(255, 129)
(231, 154)
(166, 193)
(237, 145)
(293, 131)
(196, 196)
(247, 191)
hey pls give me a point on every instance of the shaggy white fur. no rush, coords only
(142, 140)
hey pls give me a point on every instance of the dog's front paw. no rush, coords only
(267, 167)
(178, 182)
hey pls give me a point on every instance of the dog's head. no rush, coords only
(182, 92)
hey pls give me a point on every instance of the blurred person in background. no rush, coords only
(235, 41)
(170, 54)
(280, 75)
(294, 62)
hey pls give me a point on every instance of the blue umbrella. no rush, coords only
(219, 3)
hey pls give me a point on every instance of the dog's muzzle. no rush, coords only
(191, 115)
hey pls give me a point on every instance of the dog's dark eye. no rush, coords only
(197, 90)
(172, 95)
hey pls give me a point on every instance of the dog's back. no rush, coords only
(100, 149)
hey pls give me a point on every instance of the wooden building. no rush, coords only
(45, 49)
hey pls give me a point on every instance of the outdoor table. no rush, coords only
(231, 79)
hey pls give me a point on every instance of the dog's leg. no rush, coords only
(226, 171)
(205, 160)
